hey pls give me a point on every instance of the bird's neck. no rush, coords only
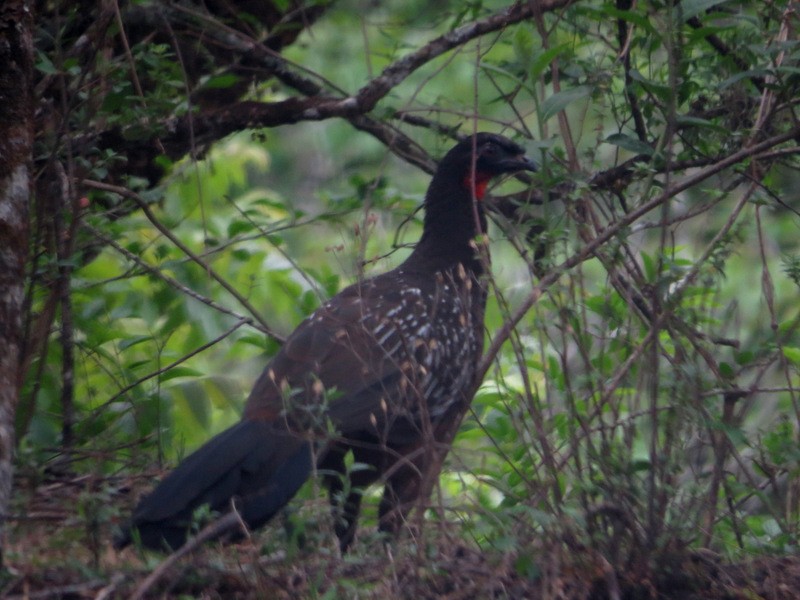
(452, 223)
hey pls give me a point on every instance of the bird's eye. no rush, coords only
(489, 151)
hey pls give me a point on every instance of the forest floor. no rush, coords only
(58, 546)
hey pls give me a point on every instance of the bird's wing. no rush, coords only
(345, 364)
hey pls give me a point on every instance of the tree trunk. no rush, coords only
(16, 137)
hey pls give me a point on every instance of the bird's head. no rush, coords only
(490, 155)
(452, 218)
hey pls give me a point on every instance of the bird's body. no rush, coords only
(380, 370)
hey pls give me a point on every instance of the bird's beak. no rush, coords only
(518, 163)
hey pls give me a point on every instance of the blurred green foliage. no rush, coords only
(631, 428)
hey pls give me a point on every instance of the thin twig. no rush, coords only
(143, 205)
(228, 523)
(156, 272)
(170, 366)
(613, 229)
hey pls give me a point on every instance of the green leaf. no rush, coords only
(237, 227)
(637, 19)
(543, 60)
(650, 269)
(749, 74)
(190, 400)
(523, 45)
(133, 341)
(176, 372)
(792, 354)
(735, 434)
(685, 121)
(222, 81)
(163, 162)
(629, 143)
(44, 64)
(659, 89)
(559, 101)
(597, 304)
(692, 8)
(726, 370)
(256, 340)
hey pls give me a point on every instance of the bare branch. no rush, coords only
(369, 95)
(185, 249)
(606, 234)
(174, 135)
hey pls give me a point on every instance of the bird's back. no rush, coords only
(383, 356)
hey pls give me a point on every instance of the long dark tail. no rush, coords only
(259, 466)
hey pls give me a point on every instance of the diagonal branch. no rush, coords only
(173, 134)
(609, 232)
(186, 250)
(369, 95)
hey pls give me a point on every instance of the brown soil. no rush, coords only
(58, 547)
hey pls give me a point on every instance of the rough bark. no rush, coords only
(16, 71)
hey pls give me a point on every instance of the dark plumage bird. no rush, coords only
(380, 370)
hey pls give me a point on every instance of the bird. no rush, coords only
(381, 370)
